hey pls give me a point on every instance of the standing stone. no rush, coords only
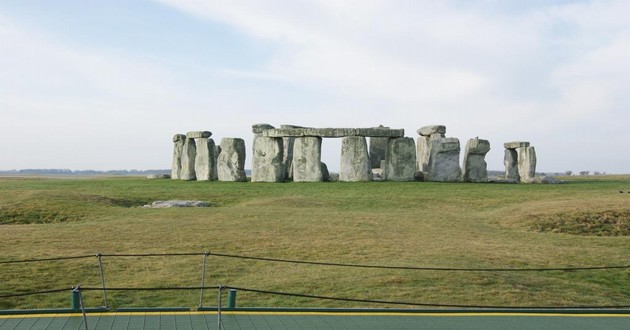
(444, 161)
(355, 162)
(307, 154)
(189, 153)
(475, 167)
(287, 158)
(206, 160)
(427, 134)
(178, 148)
(325, 173)
(510, 160)
(526, 163)
(400, 164)
(378, 149)
(267, 165)
(231, 161)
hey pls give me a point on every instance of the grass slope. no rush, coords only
(378, 223)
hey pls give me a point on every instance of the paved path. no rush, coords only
(316, 320)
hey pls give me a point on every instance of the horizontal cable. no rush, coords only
(152, 254)
(420, 268)
(386, 302)
(46, 259)
(173, 288)
(319, 263)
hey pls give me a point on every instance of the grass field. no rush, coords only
(585, 222)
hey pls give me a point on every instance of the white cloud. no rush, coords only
(511, 73)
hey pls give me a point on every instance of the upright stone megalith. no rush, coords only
(427, 133)
(355, 161)
(189, 153)
(400, 162)
(267, 162)
(206, 160)
(178, 148)
(520, 161)
(526, 163)
(475, 167)
(444, 161)
(287, 157)
(378, 149)
(231, 161)
(307, 154)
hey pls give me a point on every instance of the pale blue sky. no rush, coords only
(106, 84)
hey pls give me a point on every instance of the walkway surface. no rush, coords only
(315, 320)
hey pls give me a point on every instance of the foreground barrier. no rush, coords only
(77, 302)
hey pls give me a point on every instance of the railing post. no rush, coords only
(231, 303)
(203, 279)
(75, 302)
(219, 308)
(100, 267)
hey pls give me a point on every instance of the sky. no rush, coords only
(106, 84)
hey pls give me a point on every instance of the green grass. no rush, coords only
(377, 223)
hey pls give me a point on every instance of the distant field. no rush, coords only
(585, 222)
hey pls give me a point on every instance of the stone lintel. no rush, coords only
(198, 134)
(259, 128)
(431, 129)
(334, 132)
(515, 144)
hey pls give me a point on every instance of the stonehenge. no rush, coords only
(475, 168)
(178, 149)
(294, 153)
(231, 160)
(520, 161)
(267, 159)
(355, 159)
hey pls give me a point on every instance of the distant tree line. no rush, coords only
(56, 171)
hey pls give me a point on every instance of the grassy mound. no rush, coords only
(585, 223)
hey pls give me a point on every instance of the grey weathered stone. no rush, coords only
(515, 144)
(510, 160)
(307, 153)
(325, 172)
(198, 134)
(355, 162)
(475, 167)
(432, 129)
(334, 132)
(178, 148)
(378, 149)
(526, 163)
(267, 165)
(444, 161)
(176, 203)
(400, 164)
(424, 151)
(189, 153)
(206, 160)
(287, 158)
(260, 128)
(231, 160)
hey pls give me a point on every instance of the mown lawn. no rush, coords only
(416, 224)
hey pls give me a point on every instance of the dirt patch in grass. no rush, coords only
(111, 201)
(584, 223)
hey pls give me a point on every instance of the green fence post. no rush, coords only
(231, 299)
(76, 300)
